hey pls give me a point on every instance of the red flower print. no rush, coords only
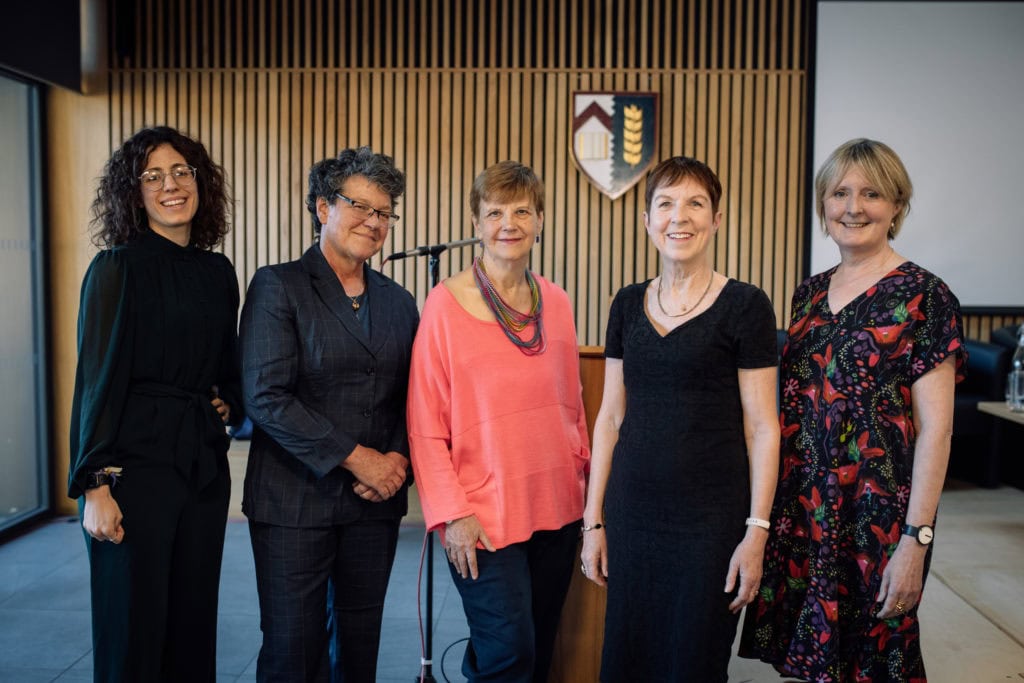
(914, 307)
(798, 571)
(867, 566)
(870, 487)
(823, 361)
(886, 335)
(902, 423)
(788, 463)
(883, 633)
(831, 609)
(893, 535)
(847, 474)
(862, 445)
(814, 506)
(830, 393)
(814, 502)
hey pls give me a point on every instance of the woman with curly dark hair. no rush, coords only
(157, 380)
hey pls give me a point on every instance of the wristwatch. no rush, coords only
(100, 478)
(922, 534)
(108, 476)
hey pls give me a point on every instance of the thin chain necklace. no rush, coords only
(512, 321)
(685, 309)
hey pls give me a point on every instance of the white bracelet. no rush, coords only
(763, 523)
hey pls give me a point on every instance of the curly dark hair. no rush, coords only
(326, 177)
(118, 216)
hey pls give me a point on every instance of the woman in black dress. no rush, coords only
(157, 380)
(685, 449)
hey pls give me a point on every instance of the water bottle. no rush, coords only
(1015, 380)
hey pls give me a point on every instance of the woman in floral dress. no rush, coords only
(874, 349)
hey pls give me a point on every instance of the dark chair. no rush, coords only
(1006, 336)
(971, 455)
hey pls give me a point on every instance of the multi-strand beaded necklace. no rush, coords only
(513, 322)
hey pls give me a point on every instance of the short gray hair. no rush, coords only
(326, 177)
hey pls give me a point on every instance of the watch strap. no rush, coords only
(915, 532)
(108, 476)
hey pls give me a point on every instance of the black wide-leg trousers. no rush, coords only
(154, 596)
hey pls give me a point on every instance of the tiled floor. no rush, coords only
(973, 613)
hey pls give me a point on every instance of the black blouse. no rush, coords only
(156, 341)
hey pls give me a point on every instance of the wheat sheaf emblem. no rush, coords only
(632, 134)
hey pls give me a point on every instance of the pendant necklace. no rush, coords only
(357, 300)
(685, 310)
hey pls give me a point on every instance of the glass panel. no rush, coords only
(22, 441)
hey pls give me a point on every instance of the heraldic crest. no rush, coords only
(614, 135)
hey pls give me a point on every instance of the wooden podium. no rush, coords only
(577, 657)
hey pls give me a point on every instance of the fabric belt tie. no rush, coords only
(200, 433)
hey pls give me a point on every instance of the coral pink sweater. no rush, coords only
(494, 432)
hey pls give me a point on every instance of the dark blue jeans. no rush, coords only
(514, 606)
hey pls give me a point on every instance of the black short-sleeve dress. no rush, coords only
(679, 487)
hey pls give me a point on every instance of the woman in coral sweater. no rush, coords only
(498, 435)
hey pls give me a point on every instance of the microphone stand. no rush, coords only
(434, 267)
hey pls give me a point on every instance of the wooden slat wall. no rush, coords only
(450, 87)
(981, 325)
(446, 86)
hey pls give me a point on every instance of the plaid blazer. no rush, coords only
(315, 385)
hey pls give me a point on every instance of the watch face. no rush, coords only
(925, 535)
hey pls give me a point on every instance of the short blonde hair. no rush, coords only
(879, 164)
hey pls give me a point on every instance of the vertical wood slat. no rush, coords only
(444, 125)
(632, 34)
(731, 137)
(980, 326)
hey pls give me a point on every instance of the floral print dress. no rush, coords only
(846, 463)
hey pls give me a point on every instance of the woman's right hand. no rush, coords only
(101, 518)
(381, 474)
(594, 557)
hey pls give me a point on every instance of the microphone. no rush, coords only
(432, 250)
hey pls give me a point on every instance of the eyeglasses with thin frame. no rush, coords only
(153, 179)
(369, 211)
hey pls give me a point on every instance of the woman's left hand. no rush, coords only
(222, 408)
(460, 539)
(902, 579)
(746, 564)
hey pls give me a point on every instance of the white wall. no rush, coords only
(942, 83)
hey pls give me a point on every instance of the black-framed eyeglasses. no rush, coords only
(369, 211)
(153, 179)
